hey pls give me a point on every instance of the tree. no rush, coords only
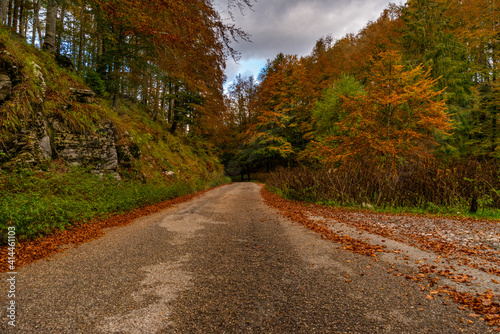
(476, 25)
(282, 106)
(397, 119)
(3, 11)
(49, 42)
(328, 111)
(428, 38)
(242, 93)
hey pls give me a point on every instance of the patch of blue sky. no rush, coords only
(245, 67)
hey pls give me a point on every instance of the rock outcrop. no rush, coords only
(10, 73)
(49, 138)
(96, 149)
(5, 87)
(45, 137)
(83, 95)
(30, 146)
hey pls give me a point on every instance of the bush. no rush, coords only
(427, 184)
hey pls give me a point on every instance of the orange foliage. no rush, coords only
(476, 23)
(396, 119)
(283, 95)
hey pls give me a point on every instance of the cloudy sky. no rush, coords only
(293, 26)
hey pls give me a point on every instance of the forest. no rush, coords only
(168, 55)
(139, 136)
(382, 144)
(402, 114)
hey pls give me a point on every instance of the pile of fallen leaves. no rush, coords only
(469, 242)
(32, 250)
(296, 212)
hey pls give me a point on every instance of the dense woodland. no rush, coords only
(417, 88)
(405, 112)
(169, 55)
(419, 81)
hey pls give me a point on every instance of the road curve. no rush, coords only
(221, 263)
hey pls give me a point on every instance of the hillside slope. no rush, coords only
(62, 148)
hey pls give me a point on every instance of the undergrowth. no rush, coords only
(30, 96)
(40, 203)
(461, 188)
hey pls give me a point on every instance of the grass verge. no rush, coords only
(41, 203)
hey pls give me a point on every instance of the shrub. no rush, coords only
(427, 184)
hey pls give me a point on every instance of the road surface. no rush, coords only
(221, 263)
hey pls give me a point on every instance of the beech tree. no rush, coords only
(169, 55)
(3, 10)
(49, 43)
(397, 119)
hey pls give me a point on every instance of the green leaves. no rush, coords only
(328, 111)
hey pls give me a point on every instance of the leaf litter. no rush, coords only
(451, 245)
(32, 250)
(457, 258)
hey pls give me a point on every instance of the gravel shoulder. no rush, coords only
(225, 262)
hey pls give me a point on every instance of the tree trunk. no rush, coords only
(173, 114)
(473, 204)
(15, 16)
(81, 39)
(61, 29)
(49, 42)
(36, 20)
(169, 112)
(116, 83)
(74, 37)
(494, 107)
(3, 11)
(157, 99)
(115, 100)
(9, 10)
(39, 30)
(163, 100)
(22, 18)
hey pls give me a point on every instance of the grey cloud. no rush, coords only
(293, 26)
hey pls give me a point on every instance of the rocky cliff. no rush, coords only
(48, 114)
(41, 138)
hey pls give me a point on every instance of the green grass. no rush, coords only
(40, 203)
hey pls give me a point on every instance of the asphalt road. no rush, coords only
(221, 263)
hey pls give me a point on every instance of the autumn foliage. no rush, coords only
(168, 55)
(417, 86)
(396, 118)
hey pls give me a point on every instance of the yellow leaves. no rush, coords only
(396, 118)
